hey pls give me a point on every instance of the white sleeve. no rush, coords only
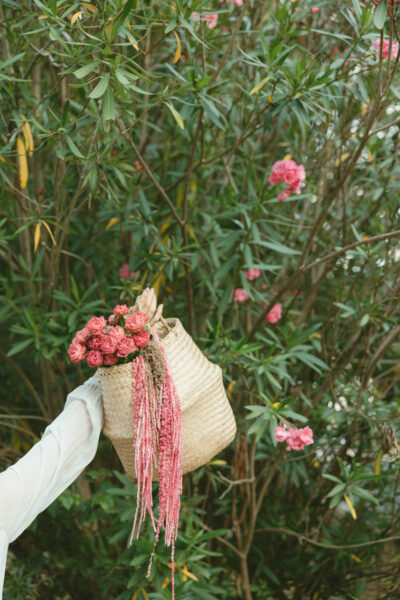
(68, 444)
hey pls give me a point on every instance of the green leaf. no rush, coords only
(176, 115)
(380, 14)
(83, 71)
(336, 490)
(18, 347)
(71, 145)
(331, 477)
(278, 247)
(101, 87)
(108, 105)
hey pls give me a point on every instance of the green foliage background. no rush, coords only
(160, 159)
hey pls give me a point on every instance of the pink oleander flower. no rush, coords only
(385, 48)
(126, 346)
(111, 319)
(117, 332)
(126, 273)
(274, 314)
(110, 359)
(281, 433)
(141, 338)
(94, 358)
(240, 295)
(252, 274)
(136, 320)
(108, 344)
(76, 352)
(212, 19)
(287, 171)
(237, 2)
(120, 309)
(95, 342)
(96, 324)
(296, 439)
(284, 195)
(82, 335)
(299, 438)
(314, 9)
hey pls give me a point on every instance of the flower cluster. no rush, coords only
(118, 341)
(210, 19)
(126, 273)
(296, 439)
(240, 295)
(385, 48)
(286, 171)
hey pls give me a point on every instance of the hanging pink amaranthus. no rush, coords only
(157, 426)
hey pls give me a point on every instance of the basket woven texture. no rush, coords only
(208, 422)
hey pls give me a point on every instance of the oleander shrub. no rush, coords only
(241, 157)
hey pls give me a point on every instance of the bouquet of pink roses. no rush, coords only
(118, 341)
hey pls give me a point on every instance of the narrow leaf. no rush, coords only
(351, 507)
(22, 163)
(90, 7)
(83, 71)
(176, 115)
(50, 233)
(36, 237)
(380, 14)
(179, 48)
(28, 137)
(108, 105)
(260, 85)
(71, 145)
(111, 222)
(76, 16)
(101, 87)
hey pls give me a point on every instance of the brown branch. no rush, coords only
(303, 538)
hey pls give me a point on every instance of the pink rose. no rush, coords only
(76, 352)
(252, 274)
(274, 314)
(141, 338)
(126, 346)
(108, 344)
(95, 342)
(239, 295)
(117, 332)
(82, 335)
(136, 320)
(281, 433)
(120, 309)
(110, 359)
(94, 358)
(96, 324)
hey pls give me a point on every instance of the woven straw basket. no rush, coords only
(207, 419)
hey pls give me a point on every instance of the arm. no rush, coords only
(35, 481)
